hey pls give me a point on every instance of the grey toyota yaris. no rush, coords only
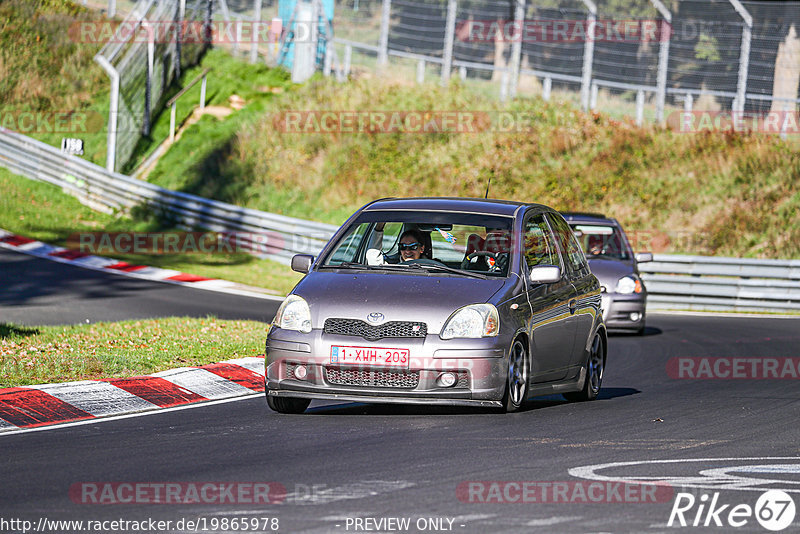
(440, 301)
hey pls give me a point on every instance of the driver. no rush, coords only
(411, 245)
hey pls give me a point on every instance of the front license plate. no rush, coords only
(377, 356)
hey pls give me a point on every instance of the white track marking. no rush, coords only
(97, 398)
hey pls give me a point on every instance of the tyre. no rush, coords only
(595, 365)
(288, 405)
(517, 378)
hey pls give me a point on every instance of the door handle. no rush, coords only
(572, 305)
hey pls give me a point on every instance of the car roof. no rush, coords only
(470, 205)
(595, 218)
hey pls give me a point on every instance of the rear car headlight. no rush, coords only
(473, 321)
(629, 284)
(294, 314)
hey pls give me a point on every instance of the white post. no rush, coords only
(326, 64)
(663, 59)
(593, 97)
(449, 38)
(516, 47)
(383, 46)
(547, 88)
(462, 72)
(688, 103)
(203, 93)
(172, 113)
(112, 8)
(588, 53)
(639, 107)
(348, 57)
(420, 71)
(113, 111)
(255, 31)
(504, 81)
(744, 54)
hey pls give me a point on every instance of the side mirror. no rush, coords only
(644, 257)
(302, 262)
(545, 274)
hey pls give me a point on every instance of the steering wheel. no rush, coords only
(478, 253)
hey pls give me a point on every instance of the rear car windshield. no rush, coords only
(598, 241)
(474, 243)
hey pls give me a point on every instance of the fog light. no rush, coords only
(635, 316)
(300, 372)
(447, 380)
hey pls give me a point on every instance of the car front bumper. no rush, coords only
(480, 367)
(617, 310)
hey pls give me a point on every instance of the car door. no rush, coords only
(584, 304)
(550, 328)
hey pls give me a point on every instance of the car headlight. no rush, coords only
(629, 284)
(473, 321)
(294, 314)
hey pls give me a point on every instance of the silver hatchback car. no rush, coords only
(440, 301)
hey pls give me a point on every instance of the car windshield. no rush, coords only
(457, 244)
(601, 241)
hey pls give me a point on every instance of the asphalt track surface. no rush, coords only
(343, 462)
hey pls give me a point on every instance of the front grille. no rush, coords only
(355, 327)
(372, 378)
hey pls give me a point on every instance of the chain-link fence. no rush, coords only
(640, 58)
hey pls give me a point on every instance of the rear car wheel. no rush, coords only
(517, 381)
(288, 405)
(595, 365)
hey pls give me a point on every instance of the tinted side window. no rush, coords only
(569, 245)
(538, 245)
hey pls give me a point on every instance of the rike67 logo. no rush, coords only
(774, 510)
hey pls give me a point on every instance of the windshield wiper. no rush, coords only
(445, 268)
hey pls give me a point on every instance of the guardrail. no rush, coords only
(728, 284)
(673, 281)
(266, 234)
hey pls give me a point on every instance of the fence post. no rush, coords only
(462, 72)
(420, 71)
(203, 92)
(348, 57)
(172, 116)
(688, 103)
(113, 111)
(383, 46)
(179, 37)
(639, 107)
(588, 53)
(449, 37)
(504, 81)
(255, 31)
(665, 35)
(593, 97)
(148, 82)
(744, 54)
(516, 47)
(112, 8)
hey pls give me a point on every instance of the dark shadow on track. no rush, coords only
(648, 331)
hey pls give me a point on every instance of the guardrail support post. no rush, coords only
(449, 37)
(744, 55)
(348, 58)
(172, 113)
(112, 8)
(383, 45)
(639, 107)
(547, 87)
(688, 103)
(113, 112)
(504, 81)
(593, 97)
(421, 71)
(588, 53)
(203, 93)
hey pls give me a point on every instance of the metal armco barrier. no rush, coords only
(727, 284)
(276, 236)
(673, 281)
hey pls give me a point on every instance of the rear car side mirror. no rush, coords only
(545, 274)
(302, 262)
(644, 257)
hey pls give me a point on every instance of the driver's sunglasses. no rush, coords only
(409, 246)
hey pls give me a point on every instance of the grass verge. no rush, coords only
(41, 211)
(45, 354)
